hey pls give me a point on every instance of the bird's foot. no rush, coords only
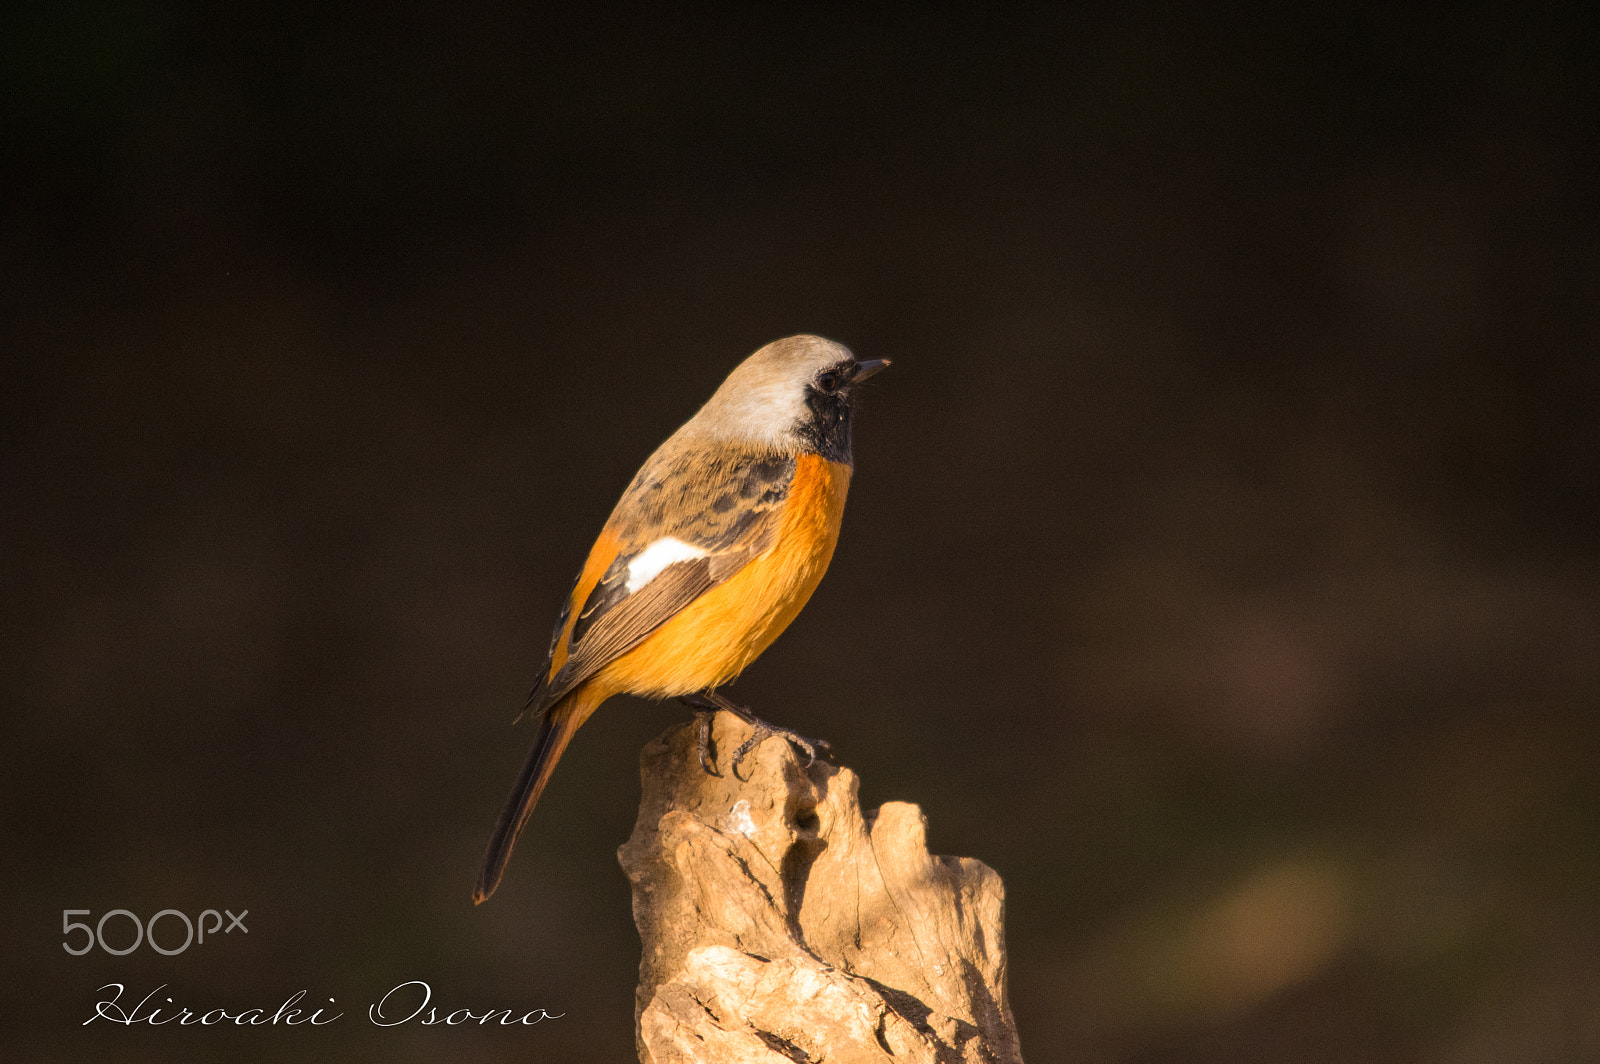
(764, 731)
(704, 717)
(706, 704)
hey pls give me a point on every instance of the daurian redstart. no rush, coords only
(711, 552)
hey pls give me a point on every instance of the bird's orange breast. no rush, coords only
(717, 635)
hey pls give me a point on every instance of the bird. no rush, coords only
(713, 549)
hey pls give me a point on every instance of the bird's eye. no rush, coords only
(828, 382)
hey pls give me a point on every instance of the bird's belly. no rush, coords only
(717, 635)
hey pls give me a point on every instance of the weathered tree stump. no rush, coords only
(781, 923)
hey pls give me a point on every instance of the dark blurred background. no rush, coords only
(1221, 565)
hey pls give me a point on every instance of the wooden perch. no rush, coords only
(781, 923)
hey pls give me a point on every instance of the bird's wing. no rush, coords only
(689, 521)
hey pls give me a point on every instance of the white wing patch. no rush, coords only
(656, 557)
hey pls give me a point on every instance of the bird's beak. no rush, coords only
(868, 368)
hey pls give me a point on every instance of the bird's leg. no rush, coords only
(704, 712)
(707, 702)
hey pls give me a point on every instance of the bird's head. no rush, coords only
(794, 395)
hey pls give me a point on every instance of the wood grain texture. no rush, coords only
(781, 922)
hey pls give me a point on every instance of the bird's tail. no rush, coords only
(556, 728)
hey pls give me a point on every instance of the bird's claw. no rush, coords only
(704, 718)
(763, 732)
(706, 705)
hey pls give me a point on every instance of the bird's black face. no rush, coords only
(828, 402)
